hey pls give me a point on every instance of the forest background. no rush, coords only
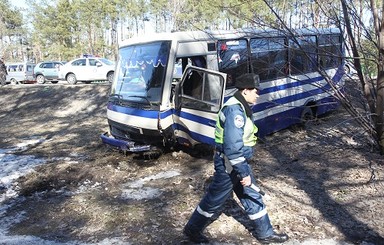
(65, 29)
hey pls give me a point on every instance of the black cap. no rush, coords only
(248, 80)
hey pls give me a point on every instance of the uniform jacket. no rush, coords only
(235, 135)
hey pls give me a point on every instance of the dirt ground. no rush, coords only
(322, 182)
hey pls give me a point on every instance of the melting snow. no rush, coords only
(137, 191)
(13, 166)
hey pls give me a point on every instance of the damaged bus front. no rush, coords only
(148, 104)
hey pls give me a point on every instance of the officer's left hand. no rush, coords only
(246, 181)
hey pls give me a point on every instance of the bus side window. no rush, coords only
(193, 85)
(233, 58)
(202, 91)
(177, 70)
(269, 57)
(182, 63)
(330, 51)
(303, 58)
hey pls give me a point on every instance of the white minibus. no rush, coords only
(20, 72)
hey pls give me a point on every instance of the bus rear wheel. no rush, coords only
(307, 115)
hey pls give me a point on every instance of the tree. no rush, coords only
(362, 38)
(54, 29)
(11, 30)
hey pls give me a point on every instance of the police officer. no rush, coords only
(235, 138)
(3, 72)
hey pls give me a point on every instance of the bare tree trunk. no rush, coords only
(379, 29)
(114, 45)
(356, 60)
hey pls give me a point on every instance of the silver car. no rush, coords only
(47, 71)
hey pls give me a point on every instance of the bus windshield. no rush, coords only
(140, 72)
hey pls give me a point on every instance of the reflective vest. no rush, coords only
(250, 129)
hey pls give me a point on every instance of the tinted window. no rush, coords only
(233, 58)
(303, 56)
(79, 62)
(202, 91)
(140, 72)
(92, 62)
(47, 65)
(330, 51)
(30, 67)
(269, 57)
(12, 68)
(106, 61)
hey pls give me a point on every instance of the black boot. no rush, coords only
(274, 238)
(195, 235)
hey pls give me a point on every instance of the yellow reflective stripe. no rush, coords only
(237, 160)
(258, 215)
(202, 212)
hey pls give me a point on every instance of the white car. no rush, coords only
(87, 70)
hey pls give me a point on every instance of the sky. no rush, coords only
(18, 3)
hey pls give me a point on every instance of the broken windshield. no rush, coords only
(141, 72)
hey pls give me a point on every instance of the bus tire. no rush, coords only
(307, 115)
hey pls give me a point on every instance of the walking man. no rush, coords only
(235, 138)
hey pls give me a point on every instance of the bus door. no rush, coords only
(198, 98)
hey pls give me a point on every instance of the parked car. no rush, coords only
(47, 71)
(87, 69)
(20, 73)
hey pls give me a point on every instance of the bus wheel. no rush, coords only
(307, 115)
(14, 81)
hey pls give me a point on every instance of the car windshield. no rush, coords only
(140, 72)
(107, 62)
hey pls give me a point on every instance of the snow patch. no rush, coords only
(136, 190)
(13, 166)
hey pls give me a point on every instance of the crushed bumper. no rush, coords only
(129, 146)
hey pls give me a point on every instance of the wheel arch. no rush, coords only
(309, 111)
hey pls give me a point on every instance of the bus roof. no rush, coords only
(212, 35)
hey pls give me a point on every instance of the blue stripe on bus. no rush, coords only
(196, 118)
(266, 125)
(165, 114)
(139, 112)
(133, 111)
(196, 136)
(291, 98)
(292, 116)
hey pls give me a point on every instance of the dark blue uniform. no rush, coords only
(235, 138)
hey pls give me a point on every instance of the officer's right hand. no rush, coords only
(246, 181)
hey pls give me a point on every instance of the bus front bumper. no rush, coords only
(124, 145)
